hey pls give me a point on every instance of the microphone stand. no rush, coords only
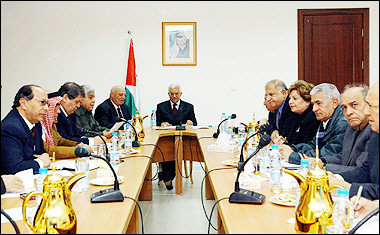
(101, 137)
(108, 195)
(216, 134)
(246, 196)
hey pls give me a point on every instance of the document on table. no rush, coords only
(70, 164)
(116, 126)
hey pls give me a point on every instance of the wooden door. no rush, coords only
(333, 46)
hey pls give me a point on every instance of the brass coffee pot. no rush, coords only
(55, 214)
(137, 122)
(314, 211)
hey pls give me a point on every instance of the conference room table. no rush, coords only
(190, 144)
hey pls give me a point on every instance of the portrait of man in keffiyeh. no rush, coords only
(50, 118)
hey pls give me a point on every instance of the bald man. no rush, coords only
(111, 110)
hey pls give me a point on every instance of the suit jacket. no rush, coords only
(86, 120)
(185, 112)
(368, 174)
(67, 128)
(17, 145)
(106, 114)
(303, 127)
(354, 152)
(332, 141)
(63, 148)
(286, 121)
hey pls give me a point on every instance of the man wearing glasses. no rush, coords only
(21, 143)
(173, 112)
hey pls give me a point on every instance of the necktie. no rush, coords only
(278, 119)
(174, 109)
(119, 112)
(34, 134)
(320, 135)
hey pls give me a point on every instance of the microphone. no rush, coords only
(262, 129)
(180, 127)
(136, 142)
(216, 134)
(83, 131)
(246, 196)
(108, 195)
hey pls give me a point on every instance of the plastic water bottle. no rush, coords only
(39, 183)
(264, 160)
(153, 119)
(343, 212)
(276, 170)
(229, 126)
(302, 171)
(114, 158)
(250, 143)
(241, 135)
(223, 126)
(128, 137)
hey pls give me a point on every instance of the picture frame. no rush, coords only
(179, 43)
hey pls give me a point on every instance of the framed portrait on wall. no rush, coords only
(179, 43)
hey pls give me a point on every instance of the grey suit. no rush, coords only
(354, 151)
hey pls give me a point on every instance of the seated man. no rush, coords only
(21, 143)
(277, 103)
(355, 142)
(368, 174)
(84, 116)
(53, 141)
(173, 112)
(326, 106)
(72, 95)
(111, 110)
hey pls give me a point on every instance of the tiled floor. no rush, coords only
(178, 214)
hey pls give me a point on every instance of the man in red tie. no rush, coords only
(173, 112)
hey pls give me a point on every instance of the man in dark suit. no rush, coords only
(173, 112)
(111, 110)
(72, 95)
(368, 174)
(21, 142)
(280, 115)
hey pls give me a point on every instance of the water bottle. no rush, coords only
(343, 212)
(241, 135)
(223, 126)
(276, 170)
(250, 143)
(128, 137)
(153, 121)
(302, 171)
(229, 126)
(264, 160)
(82, 164)
(114, 157)
(39, 183)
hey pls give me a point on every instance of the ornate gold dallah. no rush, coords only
(314, 211)
(137, 123)
(55, 214)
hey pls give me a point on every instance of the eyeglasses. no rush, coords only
(174, 93)
(42, 102)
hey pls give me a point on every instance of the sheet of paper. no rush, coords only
(200, 127)
(116, 126)
(16, 213)
(28, 179)
(70, 164)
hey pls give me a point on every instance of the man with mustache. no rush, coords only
(21, 143)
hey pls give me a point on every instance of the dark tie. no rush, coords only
(174, 109)
(278, 119)
(320, 134)
(33, 130)
(119, 112)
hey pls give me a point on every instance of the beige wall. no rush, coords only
(241, 45)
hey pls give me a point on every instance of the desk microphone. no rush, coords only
(136, 142)
(246, 196)
(216, 134)
(180, 127)
(262, 129)
(108, 195)
(84, 131)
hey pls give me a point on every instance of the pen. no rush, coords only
(358, 195)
